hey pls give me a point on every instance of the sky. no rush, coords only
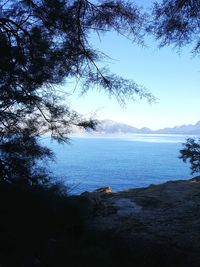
(172, 77)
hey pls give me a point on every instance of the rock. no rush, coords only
(93, 201)
(126, 207)
(104, 190)
(167, 214)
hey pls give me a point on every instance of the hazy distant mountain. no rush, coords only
(183, 129)
(112, 127)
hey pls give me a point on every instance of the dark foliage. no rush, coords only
(32, 220)
(20, 153)
(42, 44)
(191, 153)
(177, 22)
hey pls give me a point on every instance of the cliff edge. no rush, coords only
(165, 215)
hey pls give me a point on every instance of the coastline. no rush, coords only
(165, 215)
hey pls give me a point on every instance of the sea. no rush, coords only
(118, 161)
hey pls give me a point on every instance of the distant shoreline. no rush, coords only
(105, 127)
(125, 134)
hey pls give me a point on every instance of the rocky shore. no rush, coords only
(159, 216)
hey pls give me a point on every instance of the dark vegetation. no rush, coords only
(42, 45)
(191, 152)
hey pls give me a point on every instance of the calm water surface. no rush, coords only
(119, 161)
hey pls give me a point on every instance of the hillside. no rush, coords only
(112, 127)
(183, 129)
(159, 223)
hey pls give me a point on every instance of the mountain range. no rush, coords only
(112, 127)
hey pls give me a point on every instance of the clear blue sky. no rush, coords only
(171, 77)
